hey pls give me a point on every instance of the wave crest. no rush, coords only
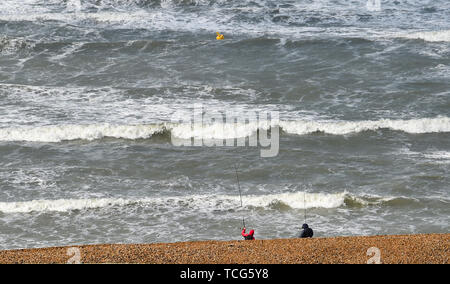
(413, 126)
(280, 201)
(60, 133)
(431, 36)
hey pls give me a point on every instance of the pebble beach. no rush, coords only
(390, 249)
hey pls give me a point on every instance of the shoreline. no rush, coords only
(420, 248)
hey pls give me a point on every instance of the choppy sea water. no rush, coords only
(89, 91)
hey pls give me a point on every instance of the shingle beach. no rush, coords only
(395, 249)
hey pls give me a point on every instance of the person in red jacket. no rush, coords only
(248, 236)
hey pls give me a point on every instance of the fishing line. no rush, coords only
(304, 205)
(240, 194)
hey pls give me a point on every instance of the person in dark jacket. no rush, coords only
(248, 236)
(307, 232)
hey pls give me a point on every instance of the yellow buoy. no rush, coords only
(219, 36)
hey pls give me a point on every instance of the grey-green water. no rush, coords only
(89, 91)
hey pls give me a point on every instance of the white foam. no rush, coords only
(43, 105)
(431, 36)
(75, 132)
(215, 130)
(74, 5)
(60, 133)
(438, 155)
(61, 205)
(297, 200)
(294, 200)
(127, 14)
(441, 157)
(168, 16)
(414, 126)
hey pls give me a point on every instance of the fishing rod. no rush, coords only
(304, 205)
(240, 194)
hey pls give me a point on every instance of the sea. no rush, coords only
(127, 121)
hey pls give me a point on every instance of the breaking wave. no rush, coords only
(297, 200)
(61, 133)
(431, 36)
(413, 126)
(79, 132)
(60, 205)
